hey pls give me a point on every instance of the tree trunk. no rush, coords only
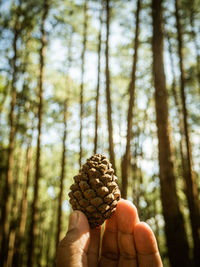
(63, 161)
(6, 205)
(108, 98)
(191, 183)
(98, 83)
(134, 172)
(62, 176)
(34, 207)
(17, 259)
(16, 185)
(178, 108)
(126, 157)
(194, 35)
(174, 224)
(82, 79)
(3, 171)
(155, 211)
(48, 241)
(40, 241)
(14, 209)
(49, 260)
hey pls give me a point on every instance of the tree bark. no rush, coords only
(82, 79)
(34, 207)
(174, 224)
(98, 83)
(108, 98)
(191, 183)
(126, 157)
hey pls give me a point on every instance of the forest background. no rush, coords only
(79, 77)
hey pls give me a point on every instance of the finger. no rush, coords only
(146, 246)
(93, 250)
(127, 218)
(72, 250)
(109, 251)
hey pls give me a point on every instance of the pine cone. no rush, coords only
(95, 190)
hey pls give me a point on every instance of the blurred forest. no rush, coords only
(79, 77)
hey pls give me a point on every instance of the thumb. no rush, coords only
(73, 248)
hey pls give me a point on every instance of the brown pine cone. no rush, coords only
(95, 190)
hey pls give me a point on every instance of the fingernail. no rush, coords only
(73, 220)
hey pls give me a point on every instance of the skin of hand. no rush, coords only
(126, 242)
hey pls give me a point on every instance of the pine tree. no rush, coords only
(63, 160)
(34, 207)
(126, 157)
(23, 208)
(98, 80)
(82, 79)
(6, 205)
(108, 97)
(191, 183)
(174, 225)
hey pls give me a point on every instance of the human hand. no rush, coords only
(126, 242)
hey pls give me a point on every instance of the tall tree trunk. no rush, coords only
(194, 35)
(137, 175)
(98, 82)
(48, 241)
(34, 207)
(177, 105)
(126, 157)
(191, 184)
(63, 160)
(6, 205)
(16, 185)
(134, 175)
(82, 79)
(155, 211)
(14, 196)
(14, 208)
(174, 224)
(62, 176)
(3, 171)
(17, 260)
(39, 244)
(108, 98)
(49, 260)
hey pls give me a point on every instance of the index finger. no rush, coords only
(127, 218)
(118, 240)
(109, 249)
